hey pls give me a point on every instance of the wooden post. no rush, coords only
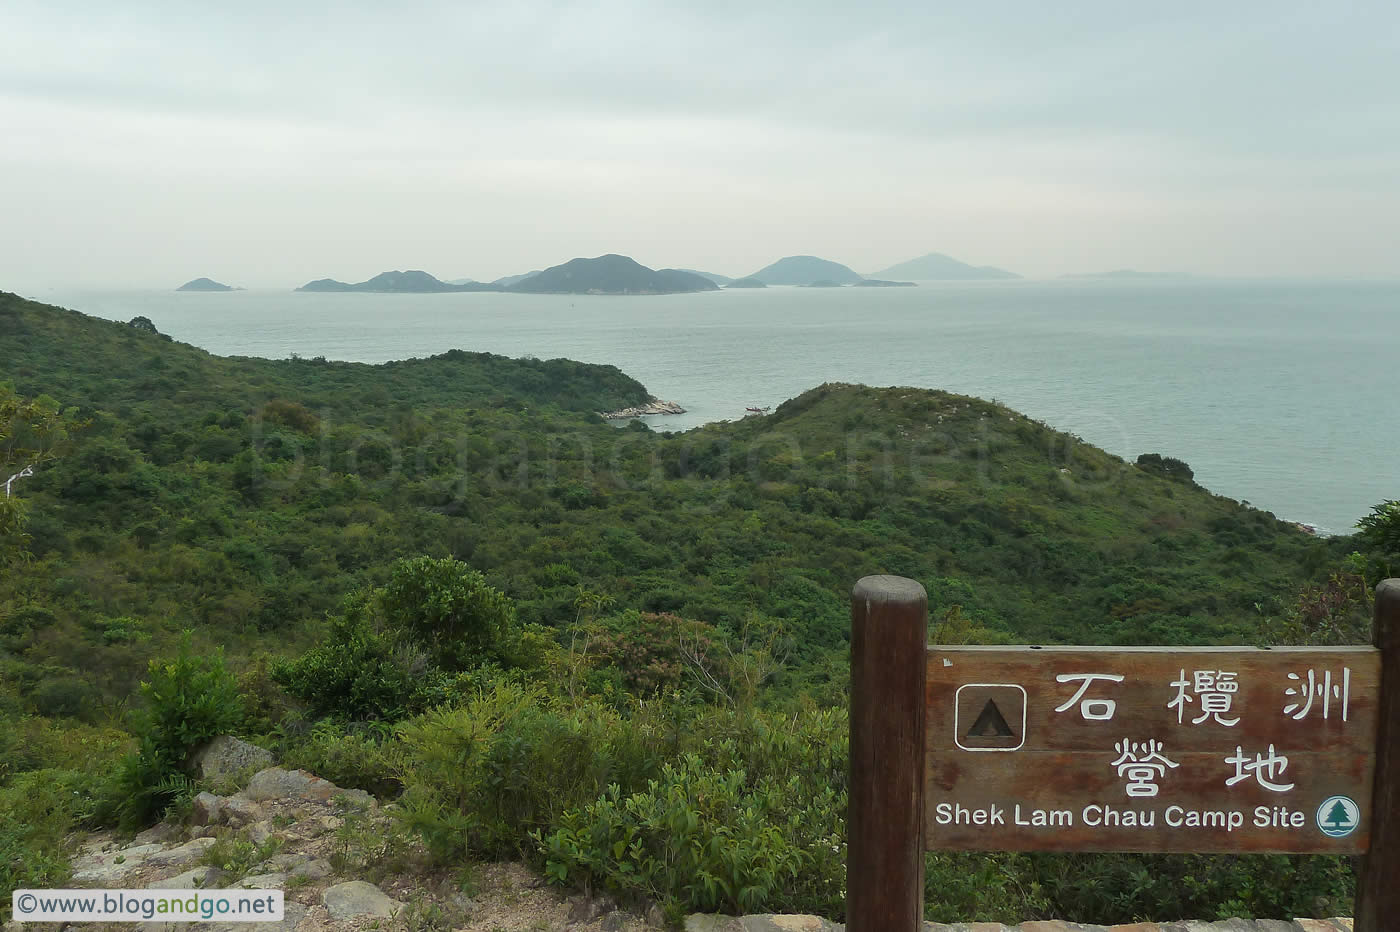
(885, 824)
(1378, 888)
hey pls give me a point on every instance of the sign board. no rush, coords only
(1150, 749)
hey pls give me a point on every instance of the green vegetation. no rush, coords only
(619, 654)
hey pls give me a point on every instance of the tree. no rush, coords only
(1381, 528)
(33, 431)
(1168, 467)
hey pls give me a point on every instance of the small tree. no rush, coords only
(33, 431)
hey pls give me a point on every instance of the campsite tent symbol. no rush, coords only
(1338, 816)
(989, 717)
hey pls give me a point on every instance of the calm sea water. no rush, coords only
(1283, 394)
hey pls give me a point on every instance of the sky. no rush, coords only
(265, 144)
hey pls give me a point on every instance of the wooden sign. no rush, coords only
(1095, 749)
(1150, 749)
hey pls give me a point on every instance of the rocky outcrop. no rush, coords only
(226, 757)
(651, 407)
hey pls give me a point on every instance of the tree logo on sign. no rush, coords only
(1338, 816)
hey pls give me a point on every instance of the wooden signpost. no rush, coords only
(1236, 750)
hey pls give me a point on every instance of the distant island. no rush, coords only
(805, 270)
(937, 267)
(881, 283)
(721, 280)
(206, 284)
(411, 282)
(823, 283)
(746, 283)
(611, 274)
(1133, 274)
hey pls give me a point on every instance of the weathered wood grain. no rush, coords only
(1061, 761)
(1378, 887)
(885, 851)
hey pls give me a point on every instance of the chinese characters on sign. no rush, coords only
(1150, 750)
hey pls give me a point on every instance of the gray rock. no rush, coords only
(293, 913)
(157, 834)
(613, 922)
(276, 783)
(358, 898)
(708, 922)
(263, 882)
(206, 809)
(187, 853)
(105, 868)
(198, 878)
(260, 832)
(299, 865)
(227, 756)
(238, 812)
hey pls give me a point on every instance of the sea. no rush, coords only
(1283, 394)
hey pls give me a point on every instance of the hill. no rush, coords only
(611, 274)
(411, 282)
(721, 280)
(746, 283)
(505, 280)
(938, 267)
(205, 284)
(881, 283)
(804, 270)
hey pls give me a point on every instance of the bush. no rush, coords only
(189, 700)
(1167, 467)
(391, 650)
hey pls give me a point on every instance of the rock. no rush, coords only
(104, 868)
(206, 809)
(707, 922)
(299, 865)
(238, 812)
(276, 783)
(358, 898)
(654, 406)
(613, 922)
(656, 916)
(157, 834)
(227, 756)
(260, 832)
(293, 914)
(263, 882)
(187, 853)
(198, 878)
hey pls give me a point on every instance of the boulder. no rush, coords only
(276, 783)
(357, 898)
(187, 853)
(198, 878)
(157, 834)
(206, 808)
(237, 811)
(227, 756)
(95, 868)
(274, 881)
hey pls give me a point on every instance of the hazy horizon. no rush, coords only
(264, 147)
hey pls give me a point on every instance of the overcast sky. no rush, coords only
(143, 144)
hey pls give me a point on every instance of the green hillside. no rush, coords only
(653, 595)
